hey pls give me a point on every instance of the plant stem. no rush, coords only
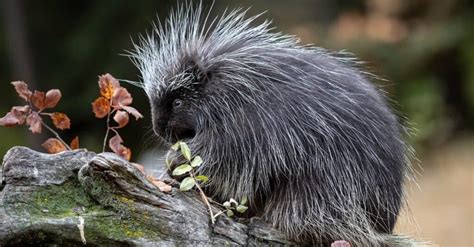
(219, 213)
(108, 128)
(204, 198)
(217, 203)
(56, 135)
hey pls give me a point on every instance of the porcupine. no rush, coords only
(299, 130)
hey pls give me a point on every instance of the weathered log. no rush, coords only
(44, 199)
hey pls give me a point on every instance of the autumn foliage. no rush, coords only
(32, 113)
(114, 101)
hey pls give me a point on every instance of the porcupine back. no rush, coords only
(298, 129)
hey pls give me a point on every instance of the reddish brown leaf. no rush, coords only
(101, 107)
(126, 153)
(121, 117)
(75, 143)
(53, 146)
(115, 143)
(22, 89)
(34, 121)
(9, 119)
(162, 186)
(139, 167)
(133, 111)
(17, 115)
(21, 112)
(60, 120)
(121, 97)
(38, 100)
(108, 84)
(52, 98)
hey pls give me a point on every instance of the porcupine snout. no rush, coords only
(170, 127)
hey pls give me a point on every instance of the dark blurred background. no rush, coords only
(424, 48)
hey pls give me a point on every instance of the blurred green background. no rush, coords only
(424, 48)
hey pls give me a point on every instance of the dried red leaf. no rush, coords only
(75, 143)
(22, 89)
(121, 97)
(9, 119)
(34, 121)
(108, 84)
(101, 107)
(162, 186)
(60, 120)
(132, 111)
(115, 143)
(21, 112)
(125, 153)
(17, 115)
(52, 98)
(38, 100)
(53, 146)
(121, 117)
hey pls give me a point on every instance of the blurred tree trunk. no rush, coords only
(18, 49)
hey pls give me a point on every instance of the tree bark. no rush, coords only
(44, 199)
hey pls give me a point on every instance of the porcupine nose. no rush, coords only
(159, 124)
(180, 130)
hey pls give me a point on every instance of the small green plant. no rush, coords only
(232, 205)
(193, 179)
(188, 168)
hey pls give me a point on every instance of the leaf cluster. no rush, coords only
(192, 179)
(232, 205)
(188, 168)
(114, 101)
(32, 113)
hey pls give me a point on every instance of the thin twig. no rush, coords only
(216, 203)
(219, 213)
(204, 198)
(56, 135)
(108, 126)
(114, 130)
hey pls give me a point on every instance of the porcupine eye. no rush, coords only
(177, 103)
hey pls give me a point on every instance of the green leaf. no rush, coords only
(241, 208)
(187, 184)
(226, 204)
(182, 169)
(243, 201)
(202, 178)
(197, 161)
(175, 146)
(230, 213)
(185, 151)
